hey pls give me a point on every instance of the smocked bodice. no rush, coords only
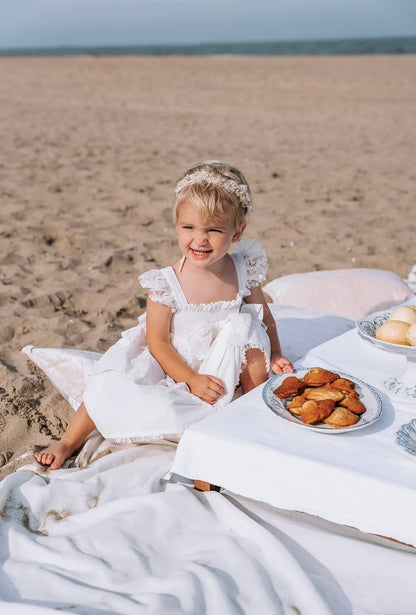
(194, 327)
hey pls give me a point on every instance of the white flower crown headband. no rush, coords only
(231, 186)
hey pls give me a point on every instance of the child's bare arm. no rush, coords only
(278, 362)
(158, 319)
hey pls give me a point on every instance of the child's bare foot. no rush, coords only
(56, 454)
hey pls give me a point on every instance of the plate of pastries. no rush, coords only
(322, 400)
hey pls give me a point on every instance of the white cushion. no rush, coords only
(301, 329)
(66, 368)
(351, 293)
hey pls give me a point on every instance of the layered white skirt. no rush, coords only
(129, 397)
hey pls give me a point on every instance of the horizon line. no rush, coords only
(75, 46)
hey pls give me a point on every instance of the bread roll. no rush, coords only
(405, 313)
(393, 331)
(411, 335)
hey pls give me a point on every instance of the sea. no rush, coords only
(353, 46)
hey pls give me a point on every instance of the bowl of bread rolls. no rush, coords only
(395, 331)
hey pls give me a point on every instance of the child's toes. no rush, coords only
(45, 458)
(49, 458)
(39, 457)
(57, 463)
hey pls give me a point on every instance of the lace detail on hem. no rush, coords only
(159, 289)
(243, 357)
(143, 439)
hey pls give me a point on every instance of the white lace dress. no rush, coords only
(131, 398)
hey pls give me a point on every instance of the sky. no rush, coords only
(52, 23)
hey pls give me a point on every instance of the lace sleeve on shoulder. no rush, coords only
(158, 287)
(256, 261)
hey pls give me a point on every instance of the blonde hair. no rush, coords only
(218, 189)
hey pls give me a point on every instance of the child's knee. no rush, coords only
(255, 371)
(255, 358)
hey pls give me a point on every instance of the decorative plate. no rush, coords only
(367, 328)
(399, 387)
(368, 396)
(406, 437)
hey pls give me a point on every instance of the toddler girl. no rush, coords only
(207, 328)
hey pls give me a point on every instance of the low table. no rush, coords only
(360, 478)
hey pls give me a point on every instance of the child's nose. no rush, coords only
(202, 236)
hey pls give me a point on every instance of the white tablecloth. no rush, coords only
(361, 478)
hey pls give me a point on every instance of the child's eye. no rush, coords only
(215, 230)
(188, 227)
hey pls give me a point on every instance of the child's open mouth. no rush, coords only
(200, 252)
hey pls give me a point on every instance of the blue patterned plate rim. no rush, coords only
(368, 396)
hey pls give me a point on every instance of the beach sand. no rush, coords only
(92, 148)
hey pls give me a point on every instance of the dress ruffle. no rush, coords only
(255, 260)
(159, 290)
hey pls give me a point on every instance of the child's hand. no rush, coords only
(280, 364)
(208, 388)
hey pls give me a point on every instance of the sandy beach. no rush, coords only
(91, 151)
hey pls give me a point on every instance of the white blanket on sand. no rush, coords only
(111, 536)
(114, 538)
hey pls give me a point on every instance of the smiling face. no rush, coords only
(204, 242)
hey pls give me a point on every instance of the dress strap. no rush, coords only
(241, 269)
(175, 286)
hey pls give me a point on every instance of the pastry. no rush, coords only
(314, 411)
(290, 387)
(342, 383)
(325, 392)
(341, 417)
(317, 377)
(352, 404)
(296, 404)
(345, 386)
